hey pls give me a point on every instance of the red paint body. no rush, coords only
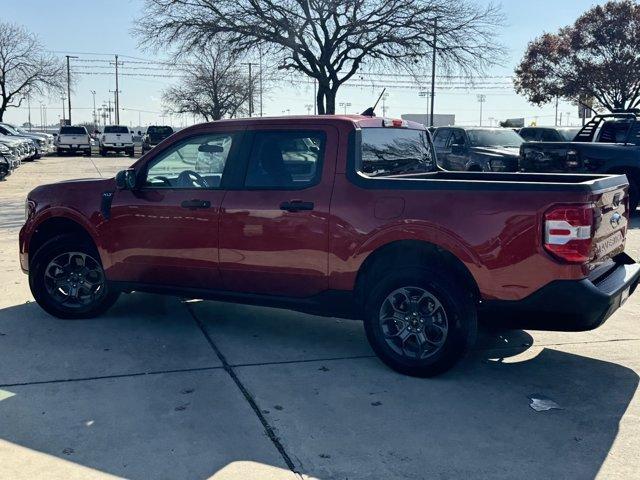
(246, 243)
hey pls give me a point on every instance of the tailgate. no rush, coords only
(610, 224)
(559, 157)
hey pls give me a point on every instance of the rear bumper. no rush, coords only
(569, 305)
(79, 146)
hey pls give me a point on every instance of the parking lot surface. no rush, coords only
(163, 387)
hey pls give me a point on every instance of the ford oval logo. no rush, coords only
(615, 220)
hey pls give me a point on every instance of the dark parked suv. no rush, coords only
(606, 144)
(155, 134)
(477, 149)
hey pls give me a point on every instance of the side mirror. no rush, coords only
(126, 179)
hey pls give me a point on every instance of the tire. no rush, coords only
(103, 152)
(49, 297)
(87, 152)
(59, 152)
(130, 152)
(451, 304)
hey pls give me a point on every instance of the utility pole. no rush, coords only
(68, 87)
(109, 110)
(41, 118)
(95, 119)
(556, 123)
(308, 106)
(481, 99)
(117, 99)
(433, 68)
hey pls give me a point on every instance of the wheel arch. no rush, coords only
(399, 253)
(54, 226)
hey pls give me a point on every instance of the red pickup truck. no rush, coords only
(339, 216)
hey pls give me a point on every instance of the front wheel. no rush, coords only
(67, 279)
(419, 321)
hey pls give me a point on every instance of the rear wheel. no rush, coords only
(420, 321)
(103, 152)
(130, 152)
(68, 281)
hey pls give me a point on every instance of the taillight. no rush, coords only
(568, 232)
(572, 160)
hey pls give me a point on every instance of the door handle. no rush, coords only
(296, 206)
(193, 204)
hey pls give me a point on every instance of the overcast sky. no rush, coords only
(96, 30)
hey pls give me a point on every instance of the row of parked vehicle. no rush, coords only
(608, 143)
(112, 138)
(18, 145)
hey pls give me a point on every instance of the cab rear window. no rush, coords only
(395, 151)
(73, 131)
(116, 129)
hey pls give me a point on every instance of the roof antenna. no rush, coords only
(370, 112)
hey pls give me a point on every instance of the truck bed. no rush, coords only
(584, 183)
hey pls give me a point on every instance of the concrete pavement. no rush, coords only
(161, 387)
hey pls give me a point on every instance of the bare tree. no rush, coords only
(25, 68)
(329, 40)
(597, 57)
(214, 85)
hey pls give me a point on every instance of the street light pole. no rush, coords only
(68, 87)
(481, 99)
(64, 122)
(95, 119)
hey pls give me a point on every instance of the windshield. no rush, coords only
(394, 151)
(116, 129)
(73, 131)
(494, 138)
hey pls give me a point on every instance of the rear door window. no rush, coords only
(285, 160)
(394, 151)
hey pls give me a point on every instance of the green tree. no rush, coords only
(597, 57)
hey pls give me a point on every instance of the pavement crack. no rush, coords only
(106, 377)
(247, 395)
(302, 360)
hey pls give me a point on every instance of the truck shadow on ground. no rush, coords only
(336, 409)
